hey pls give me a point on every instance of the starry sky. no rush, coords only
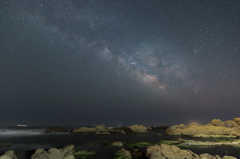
(120, 62)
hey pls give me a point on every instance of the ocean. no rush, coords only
(26, 140)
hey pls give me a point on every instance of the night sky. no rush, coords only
(120, 62)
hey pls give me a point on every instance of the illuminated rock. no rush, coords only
(237, 120)
(117, 143)
(218, 122)
(98, 128)
(216, 127)
(231, 124)
(139, 128)
(164, 151)
(8, 155)
(54, 153)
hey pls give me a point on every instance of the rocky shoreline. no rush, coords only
(162, 151)
(216, 127)
(216, 133)
(102, 129)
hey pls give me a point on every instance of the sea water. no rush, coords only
(25, 140)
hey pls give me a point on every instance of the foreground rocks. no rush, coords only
(164, 151)
(123, 154)
(68, 152)
(54, 153)
(216, 127)
(8, 155)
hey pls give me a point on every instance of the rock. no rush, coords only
(8, 155)
(231, 124)
(231, 142)
(54, 153)
(136, 154)
(99, 128)
(123, 154)
(229, 157)
(208, 129)
(103, 133)
(56, 129)
(84, 153)
(84, 129)
(207, 156)
(139, 128)
(237, 120)
(213, 136)
(172, 152)
(164, 151)
(218, 122)
(117, 143)
(122, 130)
(157, 128)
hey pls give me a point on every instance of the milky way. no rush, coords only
(172, 60)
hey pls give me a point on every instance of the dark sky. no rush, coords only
(121, 62)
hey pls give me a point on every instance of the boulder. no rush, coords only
(202, 129)
(122, 130)
(123, 154)
(216, 127)
(117, 143)
(56, 129)
(84, 129)
(231, 124)
(218, 122)
(8, 155)
(139, 128)
(164, 151)
(99, 128)
(237, 120)
(54, 153)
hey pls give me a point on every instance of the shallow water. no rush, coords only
(25, 139)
